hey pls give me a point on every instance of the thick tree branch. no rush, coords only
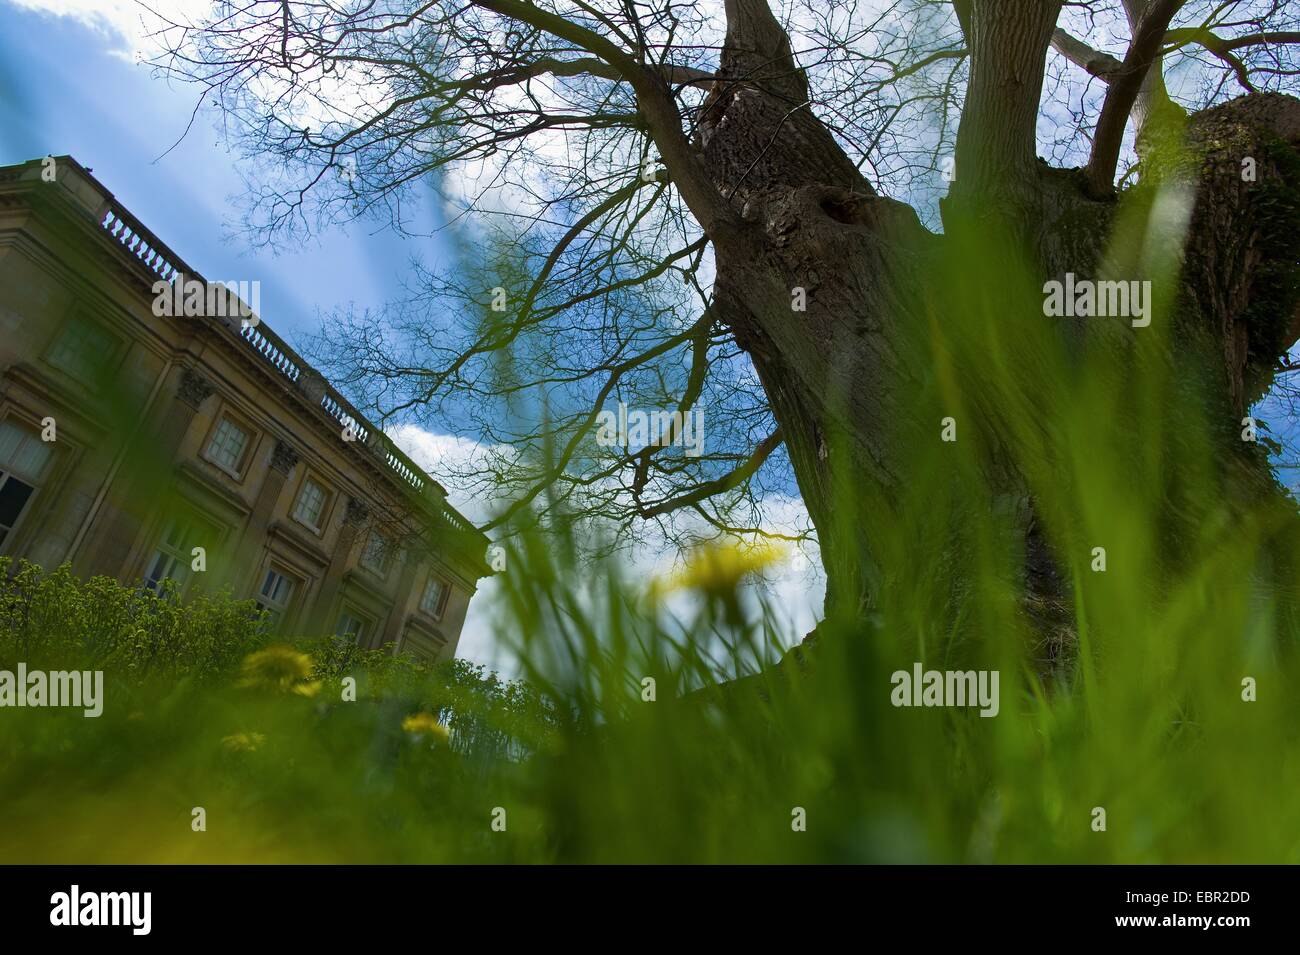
(996, 144)
(1125, 86)
(757, 48)
(963, 10)
(1101, 65)
(582, 66)
(728, 482)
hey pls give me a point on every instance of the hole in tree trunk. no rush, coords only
(844, 210)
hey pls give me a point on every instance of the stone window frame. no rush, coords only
(387, 548)
(36, 481)
(115, 345)
(327, 507)
(194, 520)
(282, 611)
(440, 610)
(366, 621)
(228, 413)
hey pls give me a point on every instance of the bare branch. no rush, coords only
(662, 117)
(1123, 93)
(728, 482)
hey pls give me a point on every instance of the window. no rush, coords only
(421, 644)
(83, 350)
(23, 457)
(310, 508)
(275, 595)
(228, 444)
(351, 627)
(434, 601)
(376, 553)
(174, 557)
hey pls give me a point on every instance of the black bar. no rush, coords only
(334, 904)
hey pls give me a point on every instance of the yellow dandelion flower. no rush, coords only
(278, 669)
(717, 569)
(243, 742)
(419, 724)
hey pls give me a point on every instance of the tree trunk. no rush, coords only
(846, 378)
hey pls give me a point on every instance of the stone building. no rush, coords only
(200, 449)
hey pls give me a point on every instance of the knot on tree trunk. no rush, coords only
(816, 216)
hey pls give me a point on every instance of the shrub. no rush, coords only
(54, 619)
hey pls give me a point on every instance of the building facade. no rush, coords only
(200, 449)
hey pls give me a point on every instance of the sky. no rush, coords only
(71, 84)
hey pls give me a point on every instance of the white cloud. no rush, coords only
(478, 638)
(127, 24)
(445, 454)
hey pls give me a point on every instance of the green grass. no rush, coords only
(1186, 770)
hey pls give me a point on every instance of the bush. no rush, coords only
(54, 620)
